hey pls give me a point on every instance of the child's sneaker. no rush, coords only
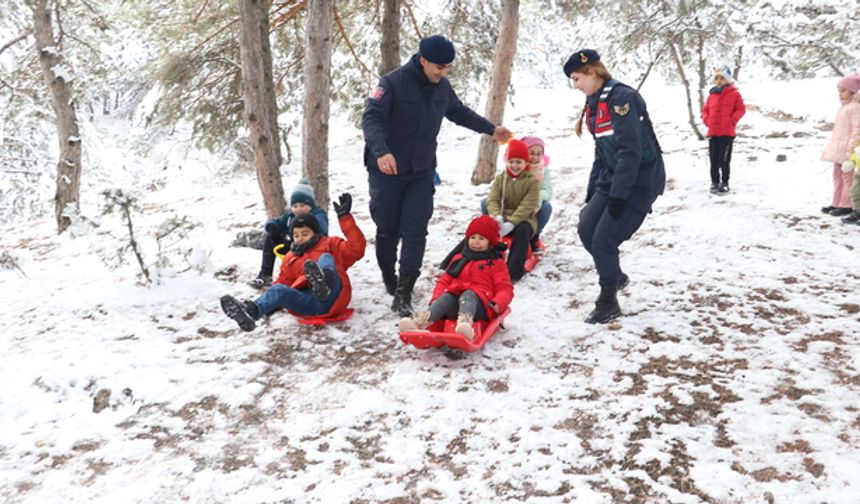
(464, 326)
(715, 188)
(419, 322)
(320, 281)
(261, 281)
(723, 189)
(852, 219)
(238, 312)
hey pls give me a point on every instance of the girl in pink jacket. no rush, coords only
(846, 134)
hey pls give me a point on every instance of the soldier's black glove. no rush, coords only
(616, 208)
(345, 205)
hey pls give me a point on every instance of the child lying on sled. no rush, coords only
(476, 285)
(313, 279)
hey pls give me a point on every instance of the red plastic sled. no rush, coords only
(442, 333)
(319, 320)
(531, 258)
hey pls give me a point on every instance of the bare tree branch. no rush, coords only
(21, 36)
(342, 31)
(412, 17)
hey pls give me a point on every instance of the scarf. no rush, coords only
(512, 175)
(716, 90)
(456, 267)
(299, 249)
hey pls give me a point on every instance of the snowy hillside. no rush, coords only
(734, 376)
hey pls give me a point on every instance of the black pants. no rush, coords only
(520, 238)
(269, 242)
(720, 151)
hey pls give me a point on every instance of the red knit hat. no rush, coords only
(485, 226)
(517, 149)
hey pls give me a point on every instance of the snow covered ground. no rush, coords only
(734, 376)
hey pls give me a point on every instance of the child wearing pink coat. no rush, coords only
(846, 134)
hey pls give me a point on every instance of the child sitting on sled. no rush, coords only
(313, 279)
(512, 201)
(280, 231)
(476, 285)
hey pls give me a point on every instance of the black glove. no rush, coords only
(274, 231)
(345, 205)
(588, 196)
(616, 208)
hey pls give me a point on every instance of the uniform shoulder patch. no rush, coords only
(622, 110)
(377, 93)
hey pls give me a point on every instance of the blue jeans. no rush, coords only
(301, 301)
(543, 215)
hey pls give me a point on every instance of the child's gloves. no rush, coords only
(499, 219)
(848, 166)
(506, 228)
(345, 205)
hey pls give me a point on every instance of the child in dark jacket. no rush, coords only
(476, 285)
(313, 279)
(280, 231)
(721, 113)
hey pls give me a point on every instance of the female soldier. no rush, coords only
(626, 178)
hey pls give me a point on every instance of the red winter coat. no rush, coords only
(488, 278)
(345, 252)
(722, 112)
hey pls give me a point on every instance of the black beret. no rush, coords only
(436, 49)
(578, 59)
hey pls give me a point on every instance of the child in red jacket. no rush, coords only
(721, 113)
(313, 279)
(475, 286)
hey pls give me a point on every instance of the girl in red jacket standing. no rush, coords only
(476, 285)
(721, 113)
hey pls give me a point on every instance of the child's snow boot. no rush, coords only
(321, 282)
(238, 312)
(417, 323)
(606, 308)
(464, 326)
(261, 281)
(853, 218)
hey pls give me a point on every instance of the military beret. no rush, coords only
(578, 59)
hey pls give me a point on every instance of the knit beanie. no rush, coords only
(303, 193)
(307, 221)
(850, 82)
(578, 59)
(531, 141)
(725, 72)
(517, 149)
(436, 49)
(485, 226)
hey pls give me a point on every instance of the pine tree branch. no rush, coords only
(349, 45)
(412, 17)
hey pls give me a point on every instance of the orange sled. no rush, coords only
(442, 333)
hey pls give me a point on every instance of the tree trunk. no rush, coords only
(390, 44)
(317, 98)
(506, 49)
(702, 70)
(683, 74)
(261, 110)
(67, 197)
(738, 60)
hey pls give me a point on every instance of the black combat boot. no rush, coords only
(402, 303)
(606, 308)
(389, 278)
